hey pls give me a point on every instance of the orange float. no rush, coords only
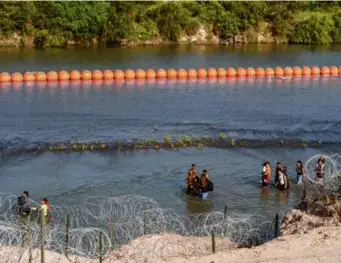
(339, 70)
(108, 74)
(182, 73)
(119, 74)
(334, 71)
(306, 71)
(260, 72)
(231, 72)
(269, 72)
(212, 73)
(315, 71)
(151, 74)
(192, 73)
(16, 77)
(171, 73)
(221, 72)
(202, 73)
(288, 72)
(161, 73)
(297, 71)
(140, 74)
(250, 72)
(97, 74)
(63, 75)
(5, 77)
(29, 76)
(279, 72)
(52, 76)
(86, 75)
(325, 71)
(129, 74)
(75, 75)
(241, 72)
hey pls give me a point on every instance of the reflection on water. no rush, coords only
(167, 56)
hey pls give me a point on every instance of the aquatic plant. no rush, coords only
(168, 139)
(222, 136)
(233, 142)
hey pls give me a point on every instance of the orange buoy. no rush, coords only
(339, 70)
(212, 73)
(241, 72)
(140, 74)
(161, 73)
(297, 71)
(63, 75)
(5, 77)
(202, 73)
(52, 76)
(221, 72)
(129, 74)
(260, 72)
(86, 75)
(288, 72)
(231, 72)
(108, 74)
(119, 74)
(306, 71)
(40, 76)
(29, 76)
(17, 77)
(250, 72)
(75, 75)
(325, 71)
(151, 74)
(182, 73)
(269, 72)
(192, 73)
(315, 71)
(171, 73)
(279, 72)
(97, 74)
(334, 71)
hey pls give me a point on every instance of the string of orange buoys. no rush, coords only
(181, 73)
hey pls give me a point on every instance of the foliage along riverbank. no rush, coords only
(60, 24)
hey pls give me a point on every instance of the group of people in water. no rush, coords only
(24, 208)
(281, 176)
(198, 186)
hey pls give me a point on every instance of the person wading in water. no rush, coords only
(300, 172)
(205, 185)
(192, 181)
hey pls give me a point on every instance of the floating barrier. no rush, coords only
(181, 73)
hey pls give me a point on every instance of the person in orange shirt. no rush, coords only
(266, 174)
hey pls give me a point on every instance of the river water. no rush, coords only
(258, 109)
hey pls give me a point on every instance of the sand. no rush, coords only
(322, 244)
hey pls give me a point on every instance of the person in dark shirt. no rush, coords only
(24, 208)
(205, 185)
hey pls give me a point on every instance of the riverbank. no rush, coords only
(310, 234)
(319, 245)
(150, 23)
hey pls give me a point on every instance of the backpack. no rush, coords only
(210, 186)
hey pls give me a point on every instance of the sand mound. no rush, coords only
(312, 213)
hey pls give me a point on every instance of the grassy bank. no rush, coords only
(60, 24)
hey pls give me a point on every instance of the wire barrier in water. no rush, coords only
(286, 72)
(120, 219)
(75, 230)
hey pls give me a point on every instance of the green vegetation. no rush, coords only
(58, 24)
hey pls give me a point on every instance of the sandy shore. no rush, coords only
(321, 244)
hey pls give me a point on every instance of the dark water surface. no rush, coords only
(176, 56)
(255, 109)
